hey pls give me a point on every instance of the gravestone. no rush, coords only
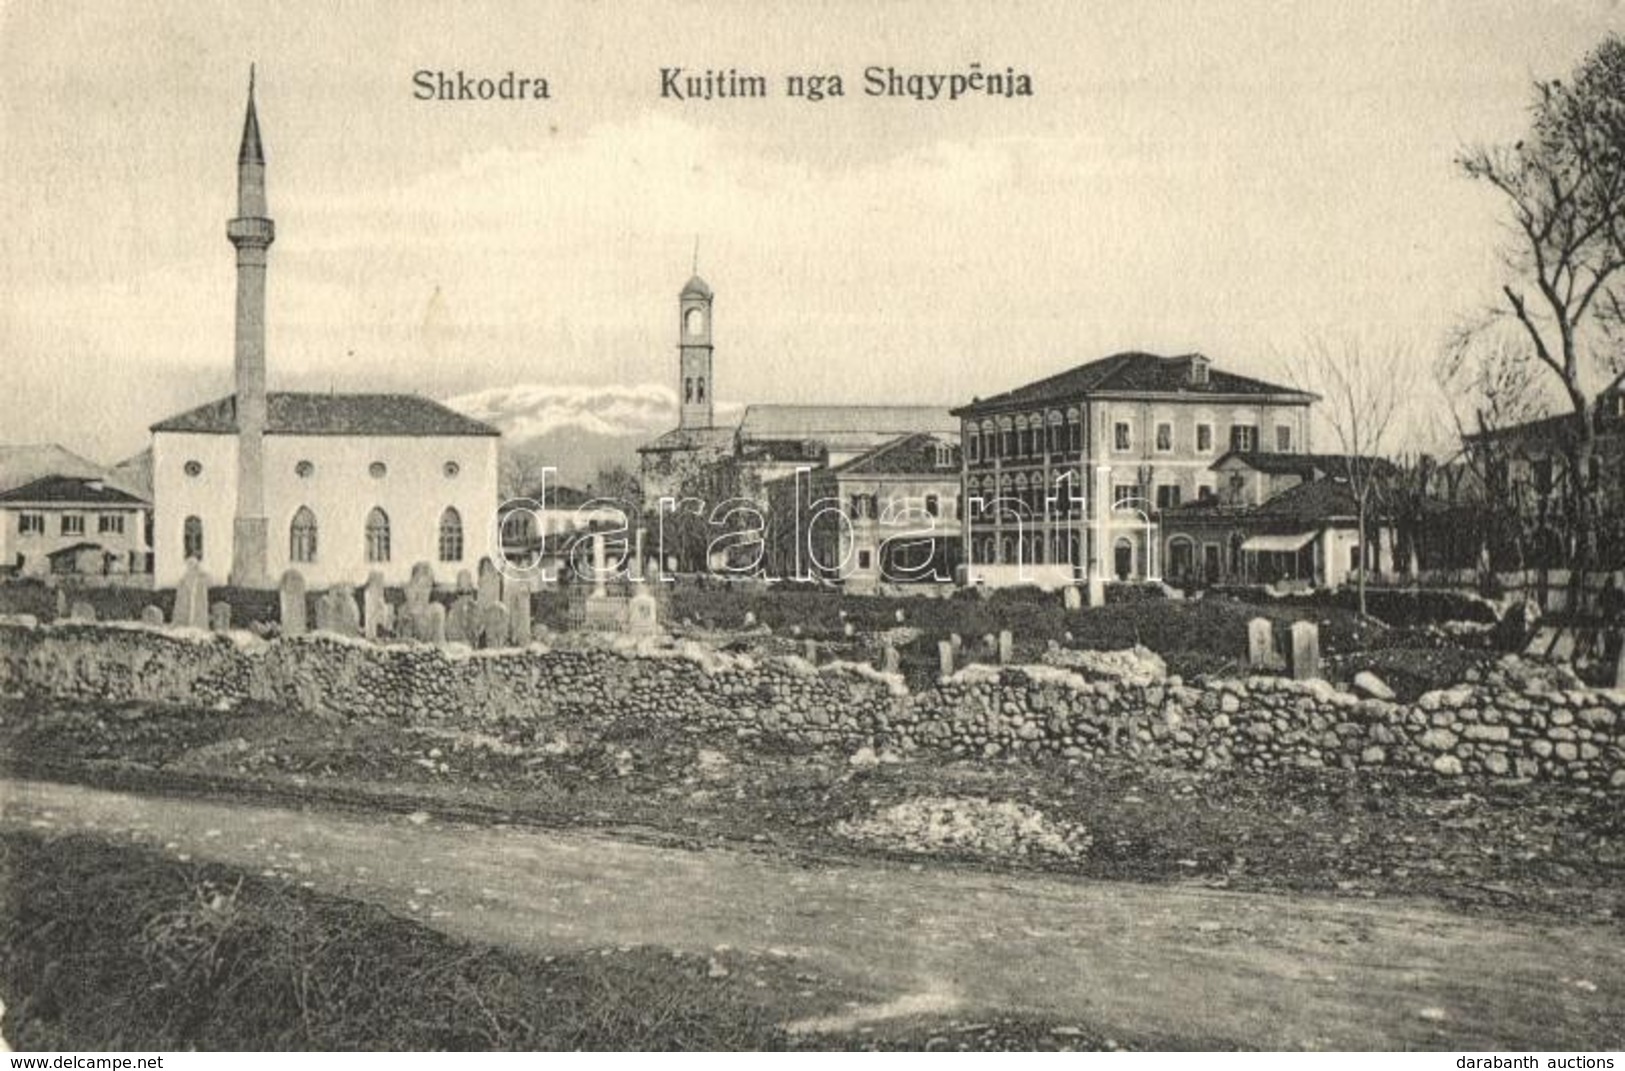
(1541, 642)
(291, 603)
(945, 658)
(489, 584)
(1563, 647)
(795, 630)
(81, 611)
(220, 617)
(374, 607)
(901, 616)
(642, 613)
(1006, 648)
(516, 597)
(493, 628)
(990, 643)
(435, 623)
(61, 604)
(414, 612)
(465, 580)
(750, 619)
(1261, 644)
(151, 615)
(809, 651)
(192, 598)
(1305, 651)
(890, 660)
(326, 613)
(336, 612)
(461, 625)
(957, 640)
(848, 630)
(1619, 665)
(1071, 597)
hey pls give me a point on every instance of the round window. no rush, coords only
(194, 468)
(452, 469)
(305, 470)
(377, 470)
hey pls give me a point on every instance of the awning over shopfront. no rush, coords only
(1277, 544)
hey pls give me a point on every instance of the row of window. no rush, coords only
(1243, 438)
(1034, 437)
(306, 469)
(867, 506)
(303, 533)
(1035, 499)
(71, 524)
(1026, 437)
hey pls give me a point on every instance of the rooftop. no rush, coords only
(824, 421)
(69, 491)
(911, 455)
(1132, 373)
(25, 462)
(1311, 466)
(292, 413)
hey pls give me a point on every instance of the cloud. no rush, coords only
(533, 410)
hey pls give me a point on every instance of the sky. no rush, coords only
(1232, 179)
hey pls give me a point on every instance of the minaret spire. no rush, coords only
(252, 233)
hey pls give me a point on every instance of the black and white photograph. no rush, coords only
(891, 527)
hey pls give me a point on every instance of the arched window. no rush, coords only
(377, 536)
(302, 536)
(192, 538)
(933, 505)
(451, 536)
(699, 389)
(688, 389)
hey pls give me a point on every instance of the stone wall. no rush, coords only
(1513, 723)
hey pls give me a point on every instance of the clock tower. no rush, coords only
(695, 390)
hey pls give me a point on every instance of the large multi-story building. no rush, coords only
(1066, 477)
(335, 485)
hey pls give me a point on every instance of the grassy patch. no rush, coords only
(111, 948)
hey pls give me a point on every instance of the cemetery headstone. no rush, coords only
(435, 617)
(489, 584)
(516, 597)
(291, 603)
(81, 611)
(374, 608)
(1006, 648)
(945, 658)
(1261, 644)
(220, 617)
(493, 625)
(890, 660)
(151, 615)
(1071, 597)
(192, 598)
(1305, 650)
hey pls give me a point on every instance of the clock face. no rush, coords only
(694, 322)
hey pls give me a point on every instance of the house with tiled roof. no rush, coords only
(888, 516)
(1275, 521)
(1067, 478)
(336, 486)
(77, 525)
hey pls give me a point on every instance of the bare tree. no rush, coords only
(1564, 188)
(1363, 388)
(1490, 387)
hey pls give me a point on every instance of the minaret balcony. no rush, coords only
(251, 230)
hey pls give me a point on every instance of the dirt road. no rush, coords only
(1134, 960)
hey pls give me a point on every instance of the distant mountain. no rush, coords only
(577, 430)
